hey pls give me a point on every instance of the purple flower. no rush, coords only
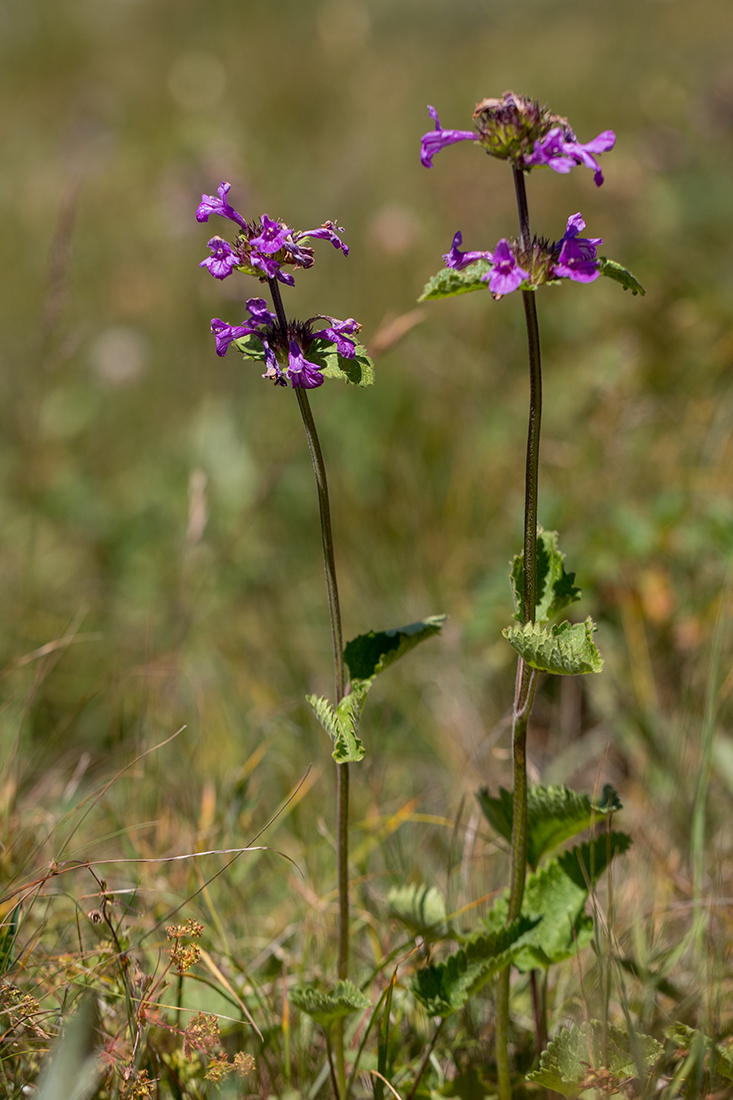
(458, 260)
(224, 334)
(272, 236)
(210, 205)
(576, 256)
(506, 274)
(339, 332)
(302, 373)
(224, 258)
(329, 231)
(437, 139)
(560, 150)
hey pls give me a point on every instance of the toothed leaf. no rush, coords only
(615, 271)
(686, 1038)
(420, 908)
(326, 1007)
(566, 649)
(444, 988)
(449, 282)
(554, 814)
(342, 724)
(555, 588)
(566, 1064)
(371, 653)
(557, 894)
(359, 371)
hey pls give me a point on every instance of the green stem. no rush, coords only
(526, 681)
(342, 790)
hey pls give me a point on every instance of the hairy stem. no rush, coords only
(526, 677)
(342, 789)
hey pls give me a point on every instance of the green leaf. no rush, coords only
(420, 908)
(444, 988)
(73, 1069)
(555, 588)
(555, 897)
(449, 282)
(684, 1038)
(572, 1060)
(566, 649)
(615, 271)
(371, 653)
(342, 724)
(554, 814)
(359, 370)
(326, 1007)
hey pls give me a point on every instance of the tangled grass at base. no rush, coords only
(160, 555)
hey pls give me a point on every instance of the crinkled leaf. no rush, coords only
(554, 814)
(326, 1006)
(557, 894)
(555, 588)
(615, 271)
(685, 1037)
(444, 988)
(571, 1060)
(371, 653)
(449, 282)
(565, 649)
(359, 370)
(342, 724)
(420, 908)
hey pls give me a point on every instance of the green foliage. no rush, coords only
(686, 1038)
(615, 271)
(555, 587)
(576, 1061)
(420, 908)
(444, 988)
(342, 723)
(369, 654)
(554, 815)
(565, 649)
(327, 1007)
(359, 371)
(555, 897)
(7, 940)
(449, 282)
(73, 1070)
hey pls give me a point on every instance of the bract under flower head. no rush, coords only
(285, 353)
(263, 246)
(519, 130)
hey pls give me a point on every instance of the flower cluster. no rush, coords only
(284, 353)
(517, 129)
(572, 257)
(262, 246)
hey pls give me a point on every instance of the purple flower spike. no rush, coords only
(210, 205)
(577, 255)
(224, 259)
(259, 312)
(562, 153)
(224, 334)
(437, 139)
(459, 260)
(339, 332)
(302, 373)
(506, 274)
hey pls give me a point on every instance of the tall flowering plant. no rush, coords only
(301, 355)
(529, 136)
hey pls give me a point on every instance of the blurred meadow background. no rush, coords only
(160, 562)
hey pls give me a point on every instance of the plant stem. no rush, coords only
(526, 681)
(425, 1060)
(342, 788)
